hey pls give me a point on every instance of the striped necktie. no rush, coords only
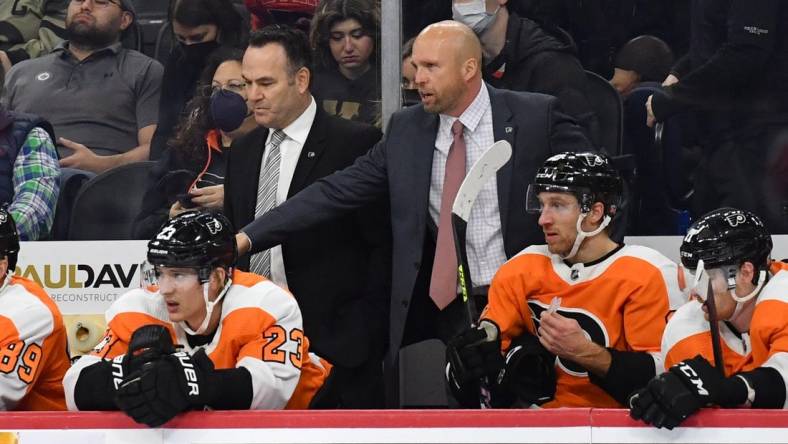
(260, 263)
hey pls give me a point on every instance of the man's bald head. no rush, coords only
(451, 34)
(448, 60)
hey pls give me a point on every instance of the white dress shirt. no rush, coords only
(290, 150)
(484, 239)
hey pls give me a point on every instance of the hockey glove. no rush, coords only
(529, 372)
(687, 387)
(168, 386)
(471, 356)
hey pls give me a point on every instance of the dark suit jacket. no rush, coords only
(400, 165)
(338, 271)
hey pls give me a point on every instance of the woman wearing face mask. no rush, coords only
(344, 36)
(199, 27)
(191, 172)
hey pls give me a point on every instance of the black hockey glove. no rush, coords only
(471, 356)
(168, 386)
(529, 372)
(687, 387)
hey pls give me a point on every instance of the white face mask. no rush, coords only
(474, 14)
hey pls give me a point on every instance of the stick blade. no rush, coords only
(483, 170)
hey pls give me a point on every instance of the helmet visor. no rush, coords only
(537, 201)
(722, 278)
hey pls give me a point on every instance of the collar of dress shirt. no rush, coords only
(298, 130)
(472, 115)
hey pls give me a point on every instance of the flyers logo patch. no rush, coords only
(735, 219)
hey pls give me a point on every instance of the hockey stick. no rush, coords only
(711, 307)
(714, 327)
(482, 171)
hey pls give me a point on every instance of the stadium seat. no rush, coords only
(151, 17)
(421, 375)
(71, 181)
(106, 206)
(606, 102)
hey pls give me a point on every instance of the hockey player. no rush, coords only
(750, 294)
(33, 344)
(575, 322)
(240, 339)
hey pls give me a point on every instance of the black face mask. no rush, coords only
(228, 110)
(198, 52)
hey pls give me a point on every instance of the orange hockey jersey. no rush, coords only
(260, 330)
(621, 302)
(33, 348)
(766, 344)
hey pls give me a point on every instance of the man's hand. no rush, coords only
(83, 158)
(650, 119)
(563, 336)
(168, 386)
(472, 356)
(208, 197)
(669, 80)
(688, 386)
(5, 62)
(176, 209)
(243, 242)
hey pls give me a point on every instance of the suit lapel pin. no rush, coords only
(310, 154)
(508, 129)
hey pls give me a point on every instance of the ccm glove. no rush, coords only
(687, 387)
(471, 356)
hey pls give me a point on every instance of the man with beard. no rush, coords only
(101, 98)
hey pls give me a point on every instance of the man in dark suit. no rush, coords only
(339, 271)
(410, 166)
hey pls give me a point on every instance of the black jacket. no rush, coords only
(339, 271)
(542, 62)
(737, 68)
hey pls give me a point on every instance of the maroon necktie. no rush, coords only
(443, 283)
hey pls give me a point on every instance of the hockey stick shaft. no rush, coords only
(714, 328)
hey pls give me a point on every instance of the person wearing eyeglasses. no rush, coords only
(191, 172)
(101, 98)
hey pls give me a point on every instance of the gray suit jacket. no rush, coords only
(401, 165)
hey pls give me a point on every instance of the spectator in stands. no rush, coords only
(339, 271)
(408, 70)
(546, 329)
(100, 97)
(736, 77)
(520, 55)
(200, 26)
(643, 59)
(30, 29)
(750, 295)
(295, 13)
(192, 170)
(345, 36)
(240, 335)
(32, 338)
(29, 172)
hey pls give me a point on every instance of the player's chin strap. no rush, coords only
(581, 235)
(740, 300)
(209, 306)
(6, 282)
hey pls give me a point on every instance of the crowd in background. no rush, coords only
(699, 121)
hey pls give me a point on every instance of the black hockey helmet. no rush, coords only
(589, 176)
(9, 239)
(195, 239)
(726, 236)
